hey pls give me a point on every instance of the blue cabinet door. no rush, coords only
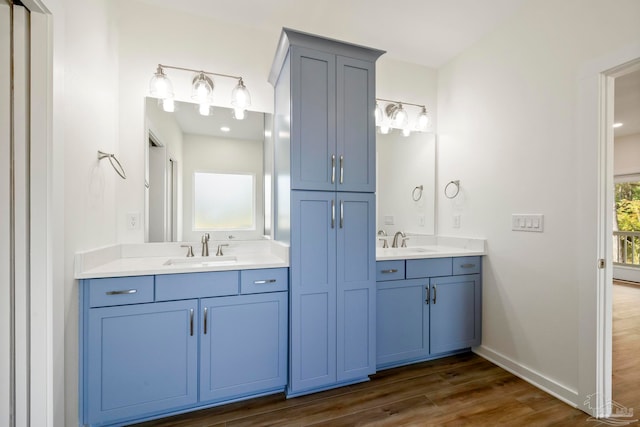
(139, 360)
(356, 294)
(243, 345)
(313, 121)
(356, 143)
(455, 313)
(402, 321)
(312, 290)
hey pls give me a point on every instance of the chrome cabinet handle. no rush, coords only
(467, 265)
(262, 282)
(191, 321)
(333, 168)
(123, 292)
(427, 299)
(341, 214)
(341, 169)
(392, 270)
(333, 214)
(205, 320)
(434, 294)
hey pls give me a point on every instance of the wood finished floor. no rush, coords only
(462, 390)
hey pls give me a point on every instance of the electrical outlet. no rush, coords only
(456, 221)
(133, 220)
(421, 220)
(388, 220)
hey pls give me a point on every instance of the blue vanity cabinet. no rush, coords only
(330, 98)
(139, 359)
(435, 311)
(153, 346)
(332, 322)
(243, 345)
(402, 321)
(455, 313)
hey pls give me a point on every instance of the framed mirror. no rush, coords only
(204, 174)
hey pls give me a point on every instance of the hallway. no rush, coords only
(626, 344)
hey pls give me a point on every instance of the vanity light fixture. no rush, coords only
(395, 116)
(201, 90)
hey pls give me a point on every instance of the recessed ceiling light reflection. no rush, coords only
(225, 128)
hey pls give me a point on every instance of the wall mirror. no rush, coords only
(204, 174)
(406, 163)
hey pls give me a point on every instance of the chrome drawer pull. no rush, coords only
(467, 265)
(205, 320)
(262, 282)
(333, 168)
(426, 301)
(434, 294)
(341, 169)
(123, 292)
(393, 270)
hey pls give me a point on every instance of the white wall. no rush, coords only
(507, 128)
(90, 123)
(626, 155)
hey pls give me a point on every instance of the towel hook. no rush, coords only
(447, 193)
(114, 163)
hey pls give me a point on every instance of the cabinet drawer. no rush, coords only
(196, 285)
(264, 280)
(120, 291)
(429, 267)
(466, 265)
(389, 270)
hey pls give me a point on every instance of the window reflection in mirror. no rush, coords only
(190, 144)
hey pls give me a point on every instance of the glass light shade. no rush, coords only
(400, 117)
(240, 97)
(204, 109)
(423, 120)
(160, 86)
(168, 105)
(238, 113)
(202, 89)
(377, 113)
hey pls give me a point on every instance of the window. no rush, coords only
(223, 201)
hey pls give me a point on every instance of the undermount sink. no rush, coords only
(202, 261)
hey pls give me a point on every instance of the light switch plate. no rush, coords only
(527, 222)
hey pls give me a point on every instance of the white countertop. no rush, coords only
(152, 258)
(433, 247)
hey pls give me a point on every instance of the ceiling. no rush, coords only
(425, 32)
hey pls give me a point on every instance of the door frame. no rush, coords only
(594, 147)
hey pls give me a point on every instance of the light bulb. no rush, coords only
(377, 113)
(384, 129)
(423, 120)
(406, 132)
(160, 85)
(238, 113)
(240, 97)
(202, 89)
(400, 117)
(168, 105)
(204, 109)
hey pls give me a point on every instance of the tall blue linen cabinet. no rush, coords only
(324, 191)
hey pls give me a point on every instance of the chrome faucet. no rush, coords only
(395, 239)
(219, 252)
(382, 235)
(205, 244)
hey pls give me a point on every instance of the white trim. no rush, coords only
(594, 140)
(554, 388)
(626, 177)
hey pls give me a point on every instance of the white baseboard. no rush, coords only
(557, 390)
